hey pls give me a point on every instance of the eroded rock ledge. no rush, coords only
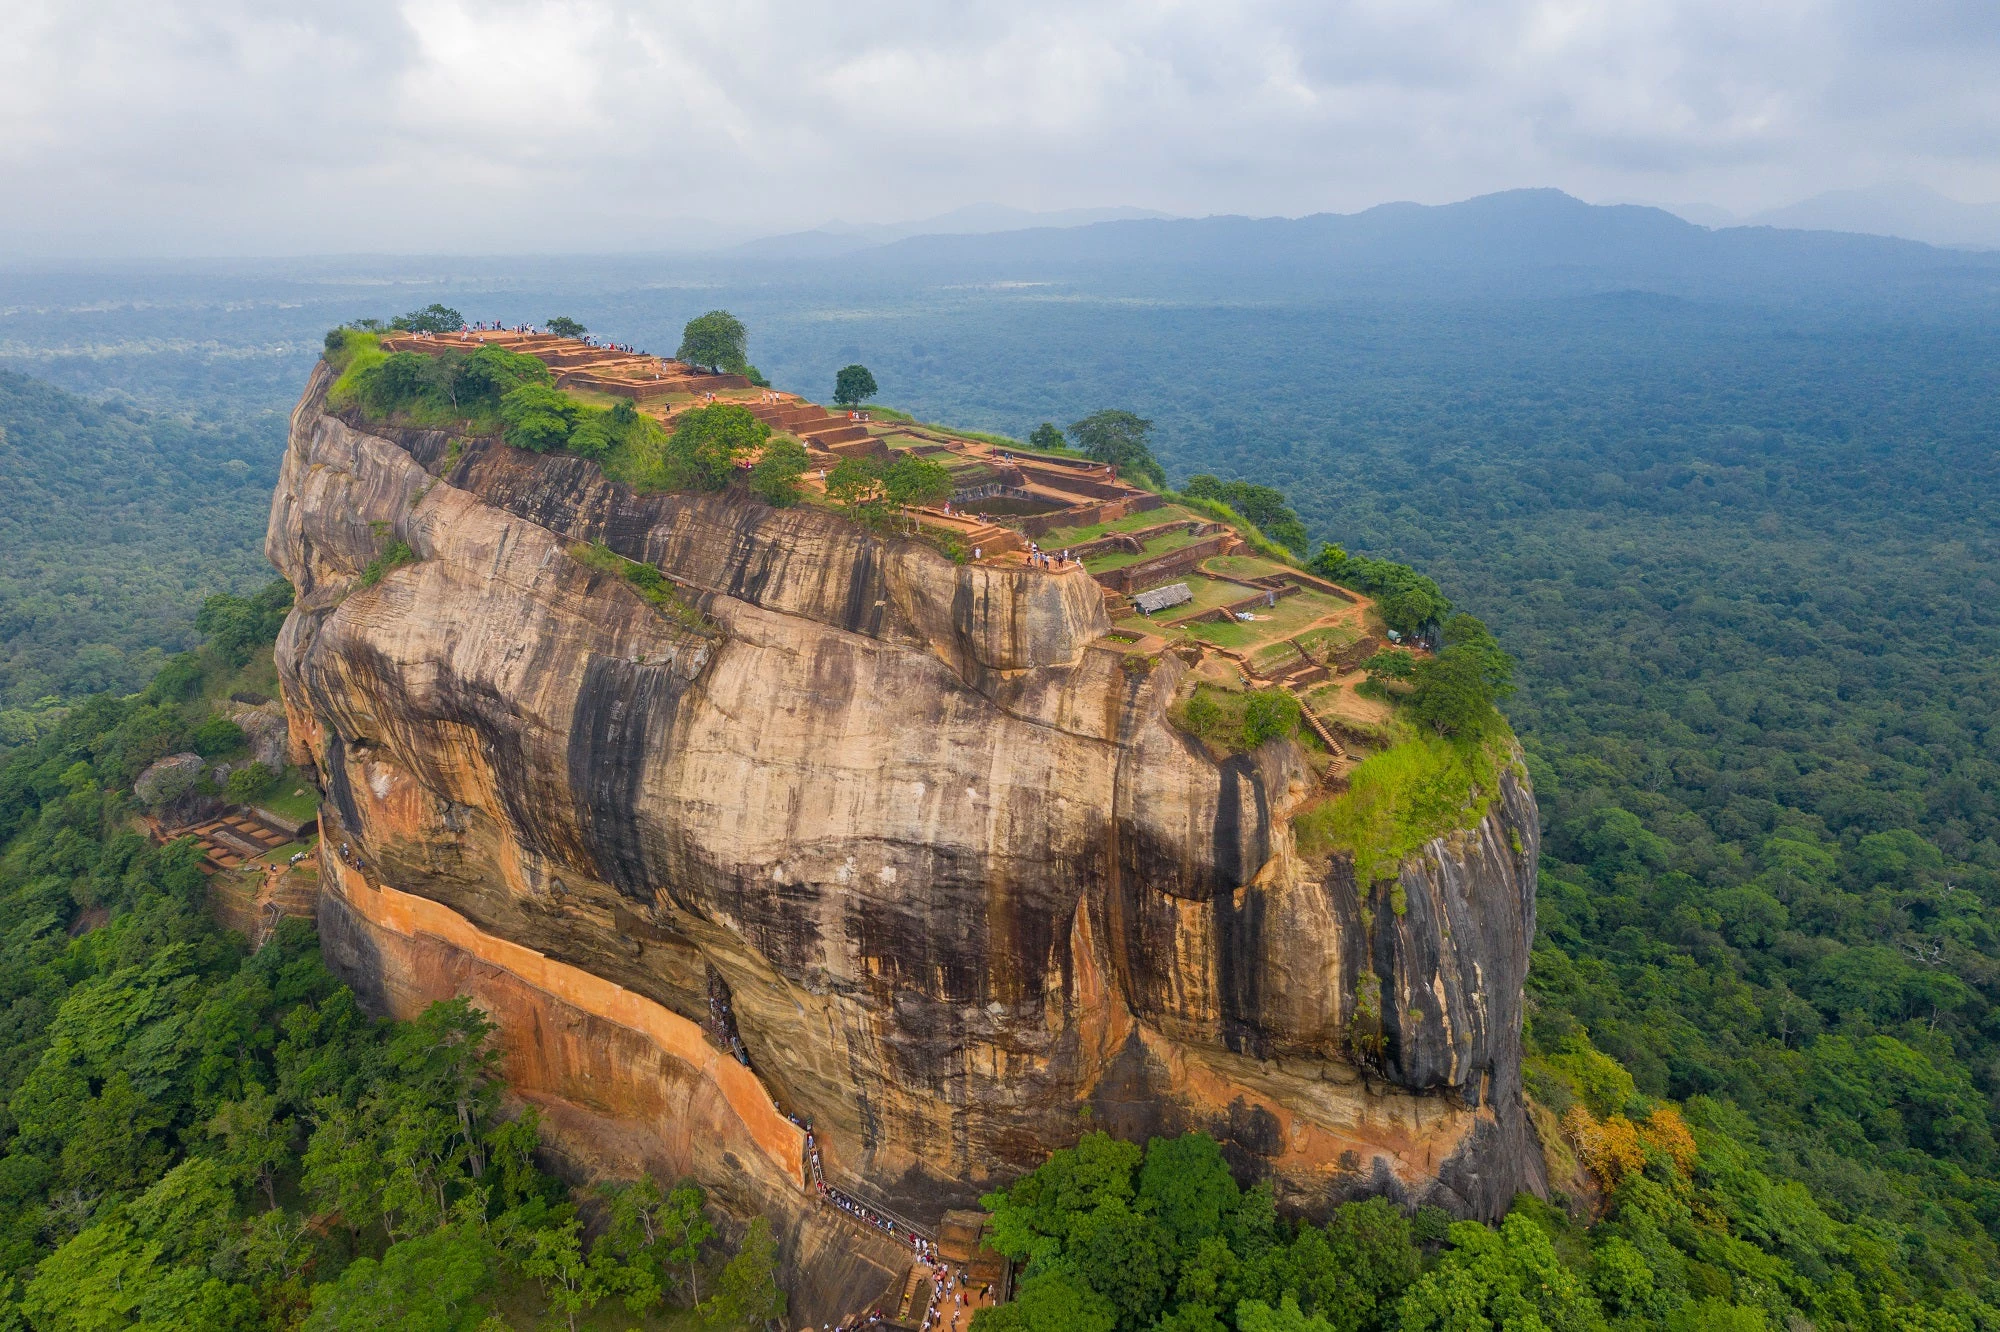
(956, 875)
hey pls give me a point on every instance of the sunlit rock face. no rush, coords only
(964, 889)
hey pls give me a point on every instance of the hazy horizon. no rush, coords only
(173, 129)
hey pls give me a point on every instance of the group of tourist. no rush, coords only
(1042, 559)
(947, 1285)
(859, 1211)
(947, 1296)
(722, 1026)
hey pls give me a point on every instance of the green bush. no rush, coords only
(538, 418)
(1199, 715)
(708, 442)
(775, 478)
(247, 783)
(1262, 505)
(645, 579)
(422, 388)
(394, 556)
(1406, 600)
(177, 681)
(1267, 715)
(217, 736)
(1399, 799)
(874, 489)
(1238, 722)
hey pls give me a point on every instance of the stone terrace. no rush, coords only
(1251, 622)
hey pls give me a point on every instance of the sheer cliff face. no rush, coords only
(963, 889)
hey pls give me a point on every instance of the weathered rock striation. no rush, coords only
(963, 889)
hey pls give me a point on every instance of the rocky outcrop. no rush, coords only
(963, 888)
(179, 789)
(264, 728)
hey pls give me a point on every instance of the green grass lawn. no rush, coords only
(1234, 634)
(1276, 657)
(1212, 592)
(1242, 566)
(1295, 612)
(1118, 559)
(1322, 643)
(1131, 522)
(291, 796)
(1290, 615)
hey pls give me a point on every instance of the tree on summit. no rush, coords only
(1262, 505)
(1121, 439)
(853, 386)
(708, 443)
(716, 340)
(565, 327)
(433, 318)
(1046, 436)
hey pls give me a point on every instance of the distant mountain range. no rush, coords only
(1907, 211)
(1520, 242)
(1537, 227)
(834, 238)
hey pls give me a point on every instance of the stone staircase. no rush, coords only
(812, 423)
(919, 1274)
(1311, 719)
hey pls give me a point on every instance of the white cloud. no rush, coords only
(212, 125)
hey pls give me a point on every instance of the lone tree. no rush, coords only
(433, 318)
(565, 327)
(709, 442)
(715, 340)
(853, 386)
(1121, 439)
(1046, 436)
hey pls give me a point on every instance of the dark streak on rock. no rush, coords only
(624, 712)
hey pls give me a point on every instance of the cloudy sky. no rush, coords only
(271, 127)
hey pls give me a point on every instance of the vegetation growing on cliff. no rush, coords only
(645, 579)
(451, 390)
(1398, 799)
(200, 1137)
(1236, 721)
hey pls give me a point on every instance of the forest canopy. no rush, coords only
(199, 1136)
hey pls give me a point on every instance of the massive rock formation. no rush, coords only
(962, 888)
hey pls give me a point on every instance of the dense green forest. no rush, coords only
(1745, 556)
(114, 524)
(199, 1137)
(1701, 1239)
